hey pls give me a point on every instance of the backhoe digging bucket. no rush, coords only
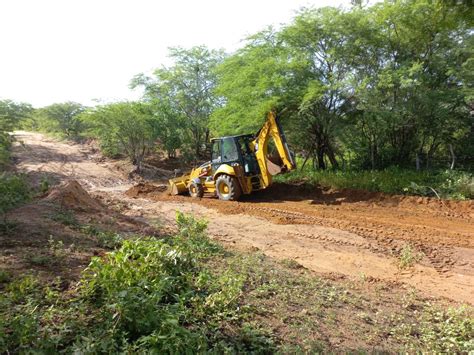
(178, 185)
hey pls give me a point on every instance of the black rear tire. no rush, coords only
(228, 188)
(196, 190)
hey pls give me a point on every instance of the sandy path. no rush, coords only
(326, 232)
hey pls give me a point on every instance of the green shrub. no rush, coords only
(13, 191)
(445, 184)
(192, 236)
(439, 331)
(109, 240)
(65, 217)
(408, 257)
(147, 296)
(450, 331)
(5, 276)
(104, 239)
(5, 143)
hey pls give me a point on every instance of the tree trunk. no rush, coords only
(321, 163)
(332, 157)
(453, 157)
(372, 155)
(305, 160)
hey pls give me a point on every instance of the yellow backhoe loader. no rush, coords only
(239, 164)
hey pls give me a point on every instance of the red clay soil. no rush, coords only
(145, 188)
(71, 195)
(433, 226)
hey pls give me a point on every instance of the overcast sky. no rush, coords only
(81, 50)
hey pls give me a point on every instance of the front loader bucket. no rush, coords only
(178, 185)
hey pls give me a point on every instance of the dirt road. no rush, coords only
(44, 158)
(360, 235)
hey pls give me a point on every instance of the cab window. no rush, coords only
(216, 152)
(229, 150)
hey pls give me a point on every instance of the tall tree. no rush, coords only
(409, 89)
(185, 90)
(62, 117)
(123, 127)
(386, 85)
(11, 116)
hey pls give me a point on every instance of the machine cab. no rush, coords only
(234, 150)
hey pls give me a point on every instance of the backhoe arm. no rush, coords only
(272, 129)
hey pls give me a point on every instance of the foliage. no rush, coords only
(408, 257)
(182, 97)
(446, 184)
(122, 127)
(65, 217)
(5, 143)
(61, 118)
(148, 295)
(448, 331)
(5, 276)
(375, 86)
(12, 114)
(440, 331)
(14, 190)
(109, 240)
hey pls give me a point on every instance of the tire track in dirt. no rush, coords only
(442, 260)
(318, 248)
(434, 228)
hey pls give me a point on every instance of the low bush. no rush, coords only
(408, 257)
(14, 190)
(5, 143)
(443, 184)
(148, 295)
(439, 331)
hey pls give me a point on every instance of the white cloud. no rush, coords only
(80, 50)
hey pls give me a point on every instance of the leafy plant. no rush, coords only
(13, 191)
(5, 276)
(109, 240)
(44, 185)
(408, 257)
(105, 239)
(57, 249)
(450, 331)
(65, 217)
(439, 331)
(39, 260)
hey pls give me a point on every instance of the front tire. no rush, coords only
(196, 190)
(228, 188)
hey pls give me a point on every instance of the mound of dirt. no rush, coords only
(145, 189)
(72, 195)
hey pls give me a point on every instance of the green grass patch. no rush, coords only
(14, 191)
(445, 184)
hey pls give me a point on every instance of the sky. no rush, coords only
(88, 50)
